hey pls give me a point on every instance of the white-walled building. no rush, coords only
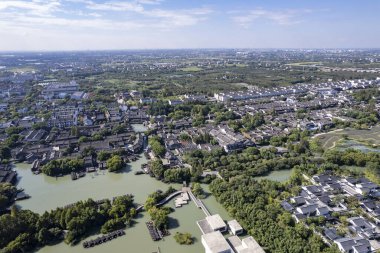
(214, 242)
(235, 227)
(216, 223)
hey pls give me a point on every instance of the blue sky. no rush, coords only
(145, 24)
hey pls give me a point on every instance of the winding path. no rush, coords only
(162, 202)
(199, 203)
(165, 200)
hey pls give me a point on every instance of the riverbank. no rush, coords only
(48, 193)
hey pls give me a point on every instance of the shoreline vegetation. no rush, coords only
(223, 117)
(243, 196)
(24, 230)
(66, 166)
(120, 213)
(184, 238)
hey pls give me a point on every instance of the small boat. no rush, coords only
(74, 176)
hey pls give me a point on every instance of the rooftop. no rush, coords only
(215, 221)
(216, 243)
(234, 225)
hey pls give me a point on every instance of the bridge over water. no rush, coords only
(198, 203)
(162, 202)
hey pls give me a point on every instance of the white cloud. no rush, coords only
(119, 6)
(34, 7)
(41, 23)
(44, 23)
(150, 1)
(116, 6)
(179, 18)
(43, 14)
(37, 16)
(283, 17)
(160, 17)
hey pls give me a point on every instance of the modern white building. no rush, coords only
(235, 227)
(54, 89)
(247, 245)
(216, 223)
(212, 223)
(214, 242)
(175, 102)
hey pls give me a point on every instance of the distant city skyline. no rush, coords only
(55, 25)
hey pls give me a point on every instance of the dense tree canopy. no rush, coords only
(198, 191)
(62, 166)
(250, 162)
(256, 205)
(23, 230)
(7, 193)
(159, 215)
(157, 146)
(183, 238)
(115, 163)
(351, 157)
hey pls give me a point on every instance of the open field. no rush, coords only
(191, 69)
(23, 69)
(306, 64)
(369, 137)
(239, 65)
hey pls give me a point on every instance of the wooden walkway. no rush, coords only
(162, 202)
(103, 239)
(165, 200)
(198, 203)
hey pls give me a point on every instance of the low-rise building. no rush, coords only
(175, 102)
(353, 245)
(235, 227)
(212, 223)
(362, 227)
(246, 245)
(55, 88)
(214, 242)
(216, 223)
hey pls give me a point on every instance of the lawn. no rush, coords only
(191, 69)
(305, 64)
(366, 137)
(239, 65)
(23, 69)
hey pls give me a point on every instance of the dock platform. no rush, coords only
(103, 239)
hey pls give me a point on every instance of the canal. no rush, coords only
(49, 192)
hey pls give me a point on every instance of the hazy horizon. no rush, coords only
(174, 49)
(98, 25)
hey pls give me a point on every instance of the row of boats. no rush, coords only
(156, 233)
(153, 231)
(76, 175)
(144, 169)
(103, 239)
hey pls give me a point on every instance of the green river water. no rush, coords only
(48, 193)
